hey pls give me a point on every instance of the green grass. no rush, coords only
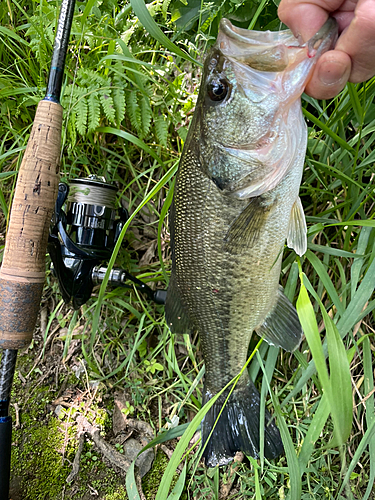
(128, 100)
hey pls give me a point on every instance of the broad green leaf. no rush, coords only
(340, 394)
(307, 318)
(337, 387)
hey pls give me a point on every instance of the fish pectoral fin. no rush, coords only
(297, 230)
(281, 326)
(176, 316)
(246, 228)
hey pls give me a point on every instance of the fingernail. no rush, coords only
(332, 73)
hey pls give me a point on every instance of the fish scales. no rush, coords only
(235, 203)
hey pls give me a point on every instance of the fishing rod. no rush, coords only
(23, 270)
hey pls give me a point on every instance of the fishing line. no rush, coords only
(91, 194)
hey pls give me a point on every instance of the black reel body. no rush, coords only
(84, 237)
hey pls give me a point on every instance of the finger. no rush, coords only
(330, 75)
(306, 18)
(358, 41)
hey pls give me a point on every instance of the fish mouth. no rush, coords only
(273, 50)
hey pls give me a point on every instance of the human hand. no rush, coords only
(353, 57)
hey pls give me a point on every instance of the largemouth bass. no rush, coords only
(235, 204)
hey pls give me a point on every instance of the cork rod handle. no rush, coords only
(23, 270)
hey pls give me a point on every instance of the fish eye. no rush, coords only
(217, 89)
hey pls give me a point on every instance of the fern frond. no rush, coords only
(119, 102)
(161, 129)
(108, 106)
(133, 110)
(94, 111)
(80, 109)
(72, 130)
(146, 115)
(164, 8)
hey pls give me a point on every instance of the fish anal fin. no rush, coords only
(297, 230)
(246, 228)
(176, 315)
(281, 326)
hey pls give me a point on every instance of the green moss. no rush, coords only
(151, 481)
(40, 467)
(44, 447)
(37, 460)
(120, 494)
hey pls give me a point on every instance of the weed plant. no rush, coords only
(129, 93)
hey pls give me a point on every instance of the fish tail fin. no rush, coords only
(238, 428)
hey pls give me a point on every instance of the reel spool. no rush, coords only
(84, 237)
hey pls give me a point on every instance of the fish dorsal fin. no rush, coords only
(297, 230)
(281, 326)
(176, 315)
(245, 229)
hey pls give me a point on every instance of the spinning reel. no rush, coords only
(82, 239)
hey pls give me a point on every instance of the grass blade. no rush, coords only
(290, 453)
(140, 10)
(315, 428)
(351, 316)
(337, 387)
(179, 487)
(130, 483)
(328, 285)
(343, 144)
(358, 263)
(367, 438)
(370, 417)
(133, 139)
(357, 107)
(180, 449)
(255, 465)
(188, 434)
(95, 321)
